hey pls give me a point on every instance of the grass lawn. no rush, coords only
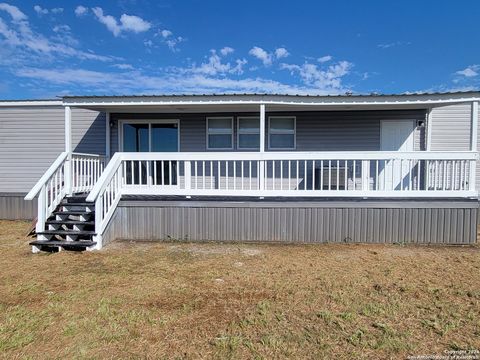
(182, 300)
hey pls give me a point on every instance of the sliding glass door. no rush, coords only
(151, 136)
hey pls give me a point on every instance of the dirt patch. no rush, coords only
(189, 301)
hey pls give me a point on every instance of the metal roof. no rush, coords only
(346, 95)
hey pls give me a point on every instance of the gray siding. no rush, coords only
(451, 127)
(31, 138)
(371, 223)
(315, 131)
(13, 207)
(88, 131)
(451, 130)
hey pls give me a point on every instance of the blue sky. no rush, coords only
(54, 48)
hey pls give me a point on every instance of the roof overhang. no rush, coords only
(250, 102)
(15, 103)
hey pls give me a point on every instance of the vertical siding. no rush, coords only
(309, 224)
(315, 131)
(13, 207)
(451, 127)
(31, 138)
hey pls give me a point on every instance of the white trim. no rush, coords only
(149, 122)
(223, 133)
(429, 128)
(286, 132)
(247, 133)
(302, 155)
(31, 103)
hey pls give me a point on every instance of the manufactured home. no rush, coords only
(242, 167)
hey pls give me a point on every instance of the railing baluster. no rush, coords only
(211, 175)
(329, 174)
(321, 175)
(241, 176)
(297, 183)
(354, 175)
(234, 174)
(170, 172)
(313, 175)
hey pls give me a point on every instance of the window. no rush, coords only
(281, 132)
(248, 133)
(220, 133)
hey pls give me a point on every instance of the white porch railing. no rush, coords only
(301, 174)
(65, 176)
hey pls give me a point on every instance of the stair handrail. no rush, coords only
(46, 176)
(105, 178)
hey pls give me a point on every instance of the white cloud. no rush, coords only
(165, 33)
(226, 50)
(469, 71)
(134, 23)
(172, 43)
(39, 10)
(329, 79)
(261, 55)
(148, 43)
(109, 21)
(266, 57)
(81, 10)
(123, 66)
(170, 40)
(393, 44)
(58, 10)
(24, 43)
(214, 66)
(324, 59)
(130, 23)
(136, 82)
(13, 11)
(61, 28)
(281, 53)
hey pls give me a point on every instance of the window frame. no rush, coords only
(288, 132)
(247, 133)
(208, 133)
(149, 122)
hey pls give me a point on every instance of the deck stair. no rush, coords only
(70, 227)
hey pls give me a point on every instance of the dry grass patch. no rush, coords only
(180, 300)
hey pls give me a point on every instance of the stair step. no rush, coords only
(70, 244)
(74, 212)
(69, 222)
(77, 204)
(67, 232)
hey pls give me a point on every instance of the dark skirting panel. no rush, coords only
(367, 221)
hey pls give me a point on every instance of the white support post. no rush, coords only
(365, 175)
(429, 130)
(107, 137)
(188, 174)
(261, 170)
(473, 144)
(41, 205)
(68, 149)
(98, 223)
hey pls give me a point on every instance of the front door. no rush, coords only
(396, 135)
(151, 136)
